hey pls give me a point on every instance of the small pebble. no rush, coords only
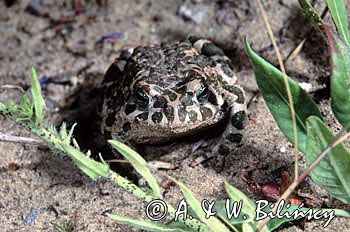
(306, 86)
(193, 12)
(30, 218)
(104, 192)
(111, 38)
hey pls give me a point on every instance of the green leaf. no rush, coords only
(248, 207)
(145, 225)
(313, 17)
(332, 173)
(220, 208)
(63, 131)
(339, 212)
(25, 103)
(340, 83)
(70, 134)
(138, 163)
(38, 100)
(212, 222)
(189, 225)
(338, 12)
(271, 85)
(21, 113)
(130, 187)
(64, 134)
(24, 111)
(276, 222)
(247, 227)
(90, 167)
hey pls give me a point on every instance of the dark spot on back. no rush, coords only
(234, 137)
(210, 49)
(192, 115)
(157, 117)
(126, 127)
(129, 108)
(206, 112)
(160, 102)
(181, 90)
(223, 150)
(172, 96)
(169, 113)
(238, 120)
(110, 119)
(182, 113)
(186, 99)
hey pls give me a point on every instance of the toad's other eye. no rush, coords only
(141, 97)
(202, 93)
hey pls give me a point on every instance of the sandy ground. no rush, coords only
(39, 187)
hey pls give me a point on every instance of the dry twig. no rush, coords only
(290, 100)
(21, 140)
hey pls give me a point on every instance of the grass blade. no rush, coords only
(90, 167)
(38, 100)
(248, 207)
(313, 17)
(145, 225)
(212, 222)
(138, 163)
(338, 12)
(332, 173)
(272, 88)
(247, 227)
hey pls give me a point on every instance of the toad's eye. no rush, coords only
(202, 93)
(141, 97)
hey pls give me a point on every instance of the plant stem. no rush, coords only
(290, 100)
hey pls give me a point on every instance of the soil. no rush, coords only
(40, 188)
